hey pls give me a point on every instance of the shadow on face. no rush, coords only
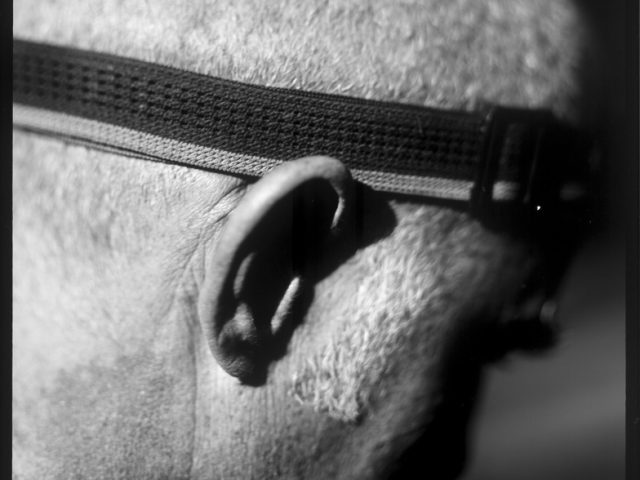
(380, 357)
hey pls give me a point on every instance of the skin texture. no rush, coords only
(93, 302)
(113, 377)
(225, 298)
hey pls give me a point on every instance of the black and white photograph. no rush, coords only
(323, 239)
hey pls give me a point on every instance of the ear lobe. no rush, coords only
(255, 275)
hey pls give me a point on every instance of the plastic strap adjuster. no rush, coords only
(536, 124)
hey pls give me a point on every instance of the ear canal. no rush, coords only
(241, 265)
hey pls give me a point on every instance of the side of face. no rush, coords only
(103, 261)
(112, 373)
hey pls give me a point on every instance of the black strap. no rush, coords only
(386, 142)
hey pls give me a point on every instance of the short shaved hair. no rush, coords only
(444, 53)
(455, 54)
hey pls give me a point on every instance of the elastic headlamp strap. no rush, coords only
(164, 114)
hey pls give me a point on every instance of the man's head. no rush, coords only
(113, 375)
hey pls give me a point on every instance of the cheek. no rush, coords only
(367, 321)
(392, 302)
(383, 347)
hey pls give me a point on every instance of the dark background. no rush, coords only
(561, 414)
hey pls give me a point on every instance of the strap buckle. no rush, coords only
(536, 175)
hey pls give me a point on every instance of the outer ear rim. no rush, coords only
(216, 316)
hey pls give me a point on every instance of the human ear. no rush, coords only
(291, 216)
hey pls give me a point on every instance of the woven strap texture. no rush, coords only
(162, 113)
